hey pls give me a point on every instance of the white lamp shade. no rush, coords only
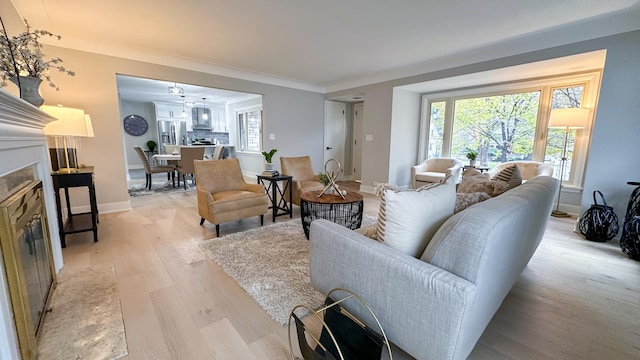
(87, 120)
(572, 118)
(71, 121)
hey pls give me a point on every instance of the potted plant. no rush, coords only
(151, 145)
(22, 62)
(472, 155)
(268, 156)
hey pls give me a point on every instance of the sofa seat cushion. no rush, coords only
(408, 219)
(429, 176)
(474, 181)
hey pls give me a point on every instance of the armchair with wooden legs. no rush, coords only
(304, 179)
(224, 196)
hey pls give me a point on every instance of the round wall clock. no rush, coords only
(135, 125)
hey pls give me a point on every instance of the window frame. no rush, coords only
(590, 80)
(245, 110)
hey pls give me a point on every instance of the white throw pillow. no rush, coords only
(408, 219)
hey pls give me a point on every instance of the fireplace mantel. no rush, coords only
(22, 144)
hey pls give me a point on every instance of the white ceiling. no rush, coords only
(318, 43)
(145, 90)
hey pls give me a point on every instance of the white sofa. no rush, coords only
(438, 305)
(528, 169)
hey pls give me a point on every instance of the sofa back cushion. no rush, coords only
(408, 219)
(490, 243)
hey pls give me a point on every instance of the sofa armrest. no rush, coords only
(420, 306)
(456, 172)
(417, 169)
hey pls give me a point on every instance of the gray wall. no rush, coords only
(405, 124)
(613, 155)
(295, 116)
(147, 111)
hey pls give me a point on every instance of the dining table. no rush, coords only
(166, 157)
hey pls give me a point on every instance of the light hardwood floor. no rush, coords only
(575, 300)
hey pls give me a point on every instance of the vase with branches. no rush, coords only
(22, 56)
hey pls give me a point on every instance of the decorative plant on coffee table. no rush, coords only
(22, 62)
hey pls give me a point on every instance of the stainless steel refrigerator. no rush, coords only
(171, 133)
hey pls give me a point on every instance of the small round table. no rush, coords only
(346, 212)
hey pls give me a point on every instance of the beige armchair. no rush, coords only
(434, 170)
(224, 196)
(528, 169)
(304, 179)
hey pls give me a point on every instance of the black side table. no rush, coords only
(76, 222)
(276, 187)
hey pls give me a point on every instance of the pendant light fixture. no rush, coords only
(184, 113)
(205, 116)
(175, 90)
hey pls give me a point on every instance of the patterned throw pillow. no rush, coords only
(511, 175)
(464, 200)
(474, 181)
(408, 219)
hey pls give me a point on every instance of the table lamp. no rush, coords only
(571, 118)
(71, 125)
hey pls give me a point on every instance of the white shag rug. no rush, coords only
(85, 321)
(271, 263)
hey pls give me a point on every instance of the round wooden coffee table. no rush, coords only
(346, 212)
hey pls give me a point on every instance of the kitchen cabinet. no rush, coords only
(168, 111)
(219, 119)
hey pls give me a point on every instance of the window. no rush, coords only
(250, 129)
(509, 122)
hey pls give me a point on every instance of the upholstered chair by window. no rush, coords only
(304, 179)
(434, 170)
(224, 196)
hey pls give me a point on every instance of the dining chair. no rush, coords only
(155, 169)
(187, 155)
(218, 153)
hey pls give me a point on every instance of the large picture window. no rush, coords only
(250, 129)
(509, 122)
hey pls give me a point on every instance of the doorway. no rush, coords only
(334, 132)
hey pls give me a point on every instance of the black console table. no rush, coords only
(76, 222)
(275, 191)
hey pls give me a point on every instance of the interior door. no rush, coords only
(334, 132)
(358, 124)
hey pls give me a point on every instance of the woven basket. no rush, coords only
(630, 244)
(599, 222)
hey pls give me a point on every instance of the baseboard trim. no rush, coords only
(104, 208)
